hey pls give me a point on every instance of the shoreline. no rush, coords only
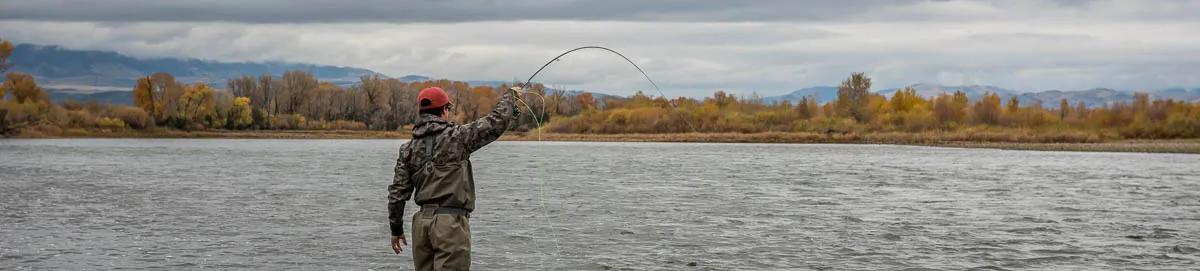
(1191, 146)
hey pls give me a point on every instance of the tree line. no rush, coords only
(298, 100)
(857, 110)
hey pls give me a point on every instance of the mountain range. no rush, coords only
(92, 75)
(92, 71)
(1091, 97)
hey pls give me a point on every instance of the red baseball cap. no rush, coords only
(436, 96)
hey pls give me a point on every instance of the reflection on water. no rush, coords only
(320, 204)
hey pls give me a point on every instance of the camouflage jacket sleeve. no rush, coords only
(399, 192)
(484, 130)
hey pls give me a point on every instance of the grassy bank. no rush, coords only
(1149, 146)
(921, 139)
(172, 133)
(1012, 140)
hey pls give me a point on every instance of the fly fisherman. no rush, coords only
(435, 168)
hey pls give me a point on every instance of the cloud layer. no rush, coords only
(689, 47)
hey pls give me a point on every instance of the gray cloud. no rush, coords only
(689, 47)
(429, 11)
(407, 11)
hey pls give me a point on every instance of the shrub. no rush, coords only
(110, 123)
(134, 117)
(287, 122)
(81, 119)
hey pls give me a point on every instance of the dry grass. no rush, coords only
(171, 133)
(1023, 136)
(1150, 146)
(1012, 139)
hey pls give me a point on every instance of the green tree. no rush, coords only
(852, 97)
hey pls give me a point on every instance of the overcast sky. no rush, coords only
(689, 47)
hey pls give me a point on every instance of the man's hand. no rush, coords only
(516, 89)
(398, 243)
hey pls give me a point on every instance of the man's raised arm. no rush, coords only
(484, 130)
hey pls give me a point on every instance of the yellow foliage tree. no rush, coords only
(6, 49)
(906, 99)
(198, 105)
(240, 113)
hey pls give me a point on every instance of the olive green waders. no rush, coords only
(441, 239)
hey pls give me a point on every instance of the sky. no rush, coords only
(690, 48)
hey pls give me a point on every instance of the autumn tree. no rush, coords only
(483, 99)
(270, 90)
(1013, 105)
(23, 87)
(722, 99)
(248, 87)
(556, 102)
(808, 108)
(987, 109)
(906, 99)
(6, 49)
(144, 96)
(240, 113)
(378, 100)
(27, 105)
(909, 111)
(1064, 109)
(1081, 110)
(950, 109)
(295, 89)
(403, 103)
(586, 101)
(167, 93)
(198, 105)
(852, 97)
(1141, 103)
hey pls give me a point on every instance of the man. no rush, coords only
(435, 168)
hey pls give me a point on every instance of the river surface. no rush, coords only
(85, 204)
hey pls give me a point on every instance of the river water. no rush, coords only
(321, 205)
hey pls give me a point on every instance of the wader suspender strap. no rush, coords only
(428, 142)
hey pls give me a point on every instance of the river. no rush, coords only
(78, 204)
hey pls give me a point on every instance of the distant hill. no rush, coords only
(1091, 97)
(89, 70)
(414, 78)
(974, 92)
(822, 94)
(1192, 95)
(826, 94)
(123, 97)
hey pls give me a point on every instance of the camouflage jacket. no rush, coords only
(434, 166)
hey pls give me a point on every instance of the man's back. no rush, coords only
(434, 169)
